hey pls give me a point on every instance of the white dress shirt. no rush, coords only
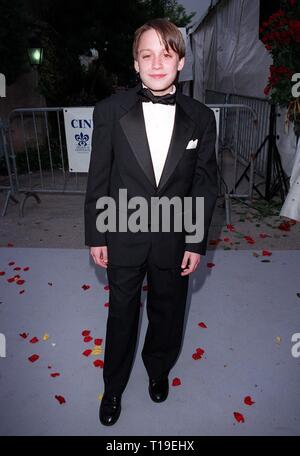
(159, 123)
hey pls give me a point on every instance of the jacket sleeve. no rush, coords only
(205, 183)
(99, 171)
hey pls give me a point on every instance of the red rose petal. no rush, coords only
(33, 358)
(248, 400)
(60, 399)
(176, 381)
(266, 253)
(249, 239)
(87, 339)
(20, 281)
(86, 332)
(239, 417)
(24, 335)
(200, 351)
(284, 226)
(26, 268)
(11, 279)
(98, 363)
(17, 268)
(21, 291)
(34, 340)
(2, 273)
(11, 263)
(55, 374)
(106, 287)
(87, 352)
(9, 244)
(85, 287)
(106, 304)
(202, 325)
(98, 341)
(230, 228)
(210, 265)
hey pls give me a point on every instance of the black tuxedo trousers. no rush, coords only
(121, 159)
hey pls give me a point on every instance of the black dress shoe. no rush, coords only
(159, 389)
(110, 409)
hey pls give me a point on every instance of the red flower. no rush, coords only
(239, 417)
(98, 341)
(86, 332)
(11, 263)
(20, 281)
(176, 381)
(106, 304)
(24, 335)
(33, 358)
(106, 287)
(98, 363)
(85, 287)
(60, 399)
(17, 268)
(55, 374)
(26, 268)
(210, 265)
(248, 400)
(2, 273)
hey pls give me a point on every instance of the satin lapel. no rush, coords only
(133, 125)
(182, 133)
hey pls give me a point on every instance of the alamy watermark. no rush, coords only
(296, 347)
(190, 211)
(296, 87)
(2, 346)
(2, 86)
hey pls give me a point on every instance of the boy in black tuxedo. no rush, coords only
(154, 142)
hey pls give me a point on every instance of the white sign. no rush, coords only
(79, 128)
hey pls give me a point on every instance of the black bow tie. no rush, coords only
(146, 95)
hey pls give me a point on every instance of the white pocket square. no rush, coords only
(192, 144)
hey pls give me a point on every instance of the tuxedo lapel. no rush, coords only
(133, 125)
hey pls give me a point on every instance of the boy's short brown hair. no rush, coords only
(170, 35)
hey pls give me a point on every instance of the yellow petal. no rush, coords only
(46, 336)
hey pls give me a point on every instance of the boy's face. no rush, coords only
(157, 66)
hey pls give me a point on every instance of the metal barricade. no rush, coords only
(237, 133)
(39, 154)
(6, 177)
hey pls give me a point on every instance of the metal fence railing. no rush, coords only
(242, 146)
(262, 109)
(6, 177)
(38, 154)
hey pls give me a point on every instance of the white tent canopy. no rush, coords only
(228, 55)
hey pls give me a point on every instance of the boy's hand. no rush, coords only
(190, 262)
(99, 255)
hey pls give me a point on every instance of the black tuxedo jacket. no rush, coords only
(121, 159)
